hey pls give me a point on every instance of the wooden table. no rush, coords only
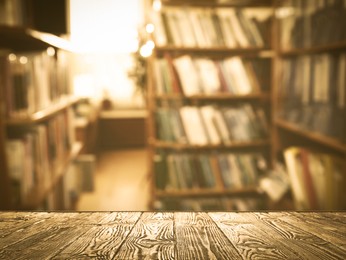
(173, 235)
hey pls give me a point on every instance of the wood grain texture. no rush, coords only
(305, 244)
(198, 237)
(173, 235)
(42, 240)
(250, 240)
(101, 239)
(151, 238)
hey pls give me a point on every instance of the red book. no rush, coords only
(176, 87)
(310, 189)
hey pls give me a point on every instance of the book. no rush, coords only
(307, 177)
(172, 74)
(208, 116)
(160, 170)
(294, 169)
(226, 28)
(193, 125)
(188, 75)
(159, 31)
(239, 33)
(208, 76)
(235, 67)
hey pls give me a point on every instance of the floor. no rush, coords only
(121, 182)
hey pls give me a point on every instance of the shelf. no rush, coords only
(171, 145)
(224, 51)
(22, 39)
(215, 3)
(246, 191)
(218, 96)
(38, 195)
(314, 49)
(42, 115)
(313, 136)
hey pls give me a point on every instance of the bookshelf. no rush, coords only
(37, 138)
(202, 90)
(310, 101)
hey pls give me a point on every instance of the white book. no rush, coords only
(187, 74)
(221, 126)
(318, 176)
(185, 26)
(238, 31)
(193, 125)
(226, 27)
(235, 66)
(194, 17)
(253, 29)
(208, 75)
(174, 27)
(159, 29)
(295, 173)
(208, 113)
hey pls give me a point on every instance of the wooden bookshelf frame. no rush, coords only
(286, 133)
(39, 194)
(313, 136)
(217, 192)
(42, 115)
(254, 98)
(22, 39)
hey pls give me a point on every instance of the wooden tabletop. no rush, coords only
(172, 235)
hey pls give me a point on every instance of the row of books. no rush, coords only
(190, 76)
(210, 204)
(79, 178)
(34, 154)
(317, 179)
(216, 170)
(33, 80)
(313, 93)
(202, 27)
(312, 23)
(14, 12)
(211, 124)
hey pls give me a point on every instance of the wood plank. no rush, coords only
(101, 239)
(251, 241)
(198, 237)
(305, 244)
(151, 238)
(321, 225)
(44, 239)
(11, 222)
(25, 228)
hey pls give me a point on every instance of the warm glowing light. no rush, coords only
(23, 60)
(12, 57)
(114, 30)
(51, 39)
(145, 51)
(50, 51)
(150, 44)
(84, 85)
(157, 5)
(149, 28)
(284, 12)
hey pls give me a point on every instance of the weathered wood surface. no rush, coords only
(173, 235)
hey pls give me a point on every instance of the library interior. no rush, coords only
(173, 105)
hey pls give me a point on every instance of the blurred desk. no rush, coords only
(173, 235)
(122, 128)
